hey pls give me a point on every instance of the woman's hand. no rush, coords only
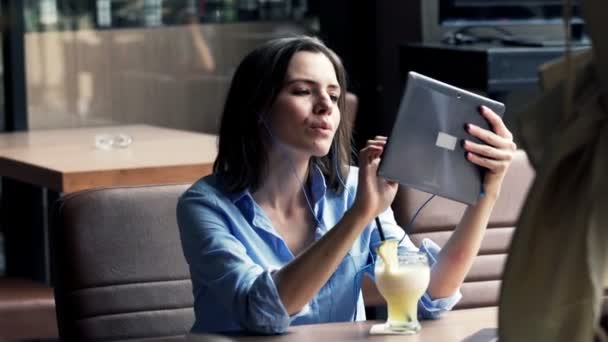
(496, 156)
(374, 194)
(302, 278)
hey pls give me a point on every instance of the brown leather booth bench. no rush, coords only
(120, 273)
(118, 267)
(439, 218)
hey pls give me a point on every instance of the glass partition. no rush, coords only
(158, 62)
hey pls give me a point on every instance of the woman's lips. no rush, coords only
(323, 130)
(321, 125)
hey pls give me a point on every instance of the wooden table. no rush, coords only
(458, 325)
(66, 160)
(37, 166)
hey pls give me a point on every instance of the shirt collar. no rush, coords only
(244, 200)
(318, 187)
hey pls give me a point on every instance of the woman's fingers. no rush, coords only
(495, 156)
(376, 151)
(375, 147)
(495, 166)
(491, 138)
(370, 152)
(377, 141)
(374, 194)
(496, 122)
(488, 151)
(497, 149)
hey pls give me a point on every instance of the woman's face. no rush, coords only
(305, 114)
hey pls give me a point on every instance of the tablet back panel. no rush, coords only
(424, 150)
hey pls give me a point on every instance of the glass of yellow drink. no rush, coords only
(402, 277)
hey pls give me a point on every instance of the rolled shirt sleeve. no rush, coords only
(428, 308)
(219, 264)
(264, 312)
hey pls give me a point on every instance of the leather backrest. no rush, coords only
(352, 106)
(439, 218)
(118, 268)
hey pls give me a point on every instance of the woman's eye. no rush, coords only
(334, 98)
(301, 91)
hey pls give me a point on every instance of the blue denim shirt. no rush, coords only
(232, 250)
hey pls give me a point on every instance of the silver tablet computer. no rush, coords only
(424, 150)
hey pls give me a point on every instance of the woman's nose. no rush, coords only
(323, 105)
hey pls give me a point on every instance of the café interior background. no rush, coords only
(169, 62)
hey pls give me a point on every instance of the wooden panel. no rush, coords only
(31, 174)
(143, 176)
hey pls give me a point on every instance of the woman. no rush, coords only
(281, 231)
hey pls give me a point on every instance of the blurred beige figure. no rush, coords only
(555, 275)
(205, 60)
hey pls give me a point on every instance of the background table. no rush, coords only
(36, 166)
(66, 160)
(457, 325)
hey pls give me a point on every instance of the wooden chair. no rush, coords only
(27, 310)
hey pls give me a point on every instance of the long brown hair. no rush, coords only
(257, 81)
